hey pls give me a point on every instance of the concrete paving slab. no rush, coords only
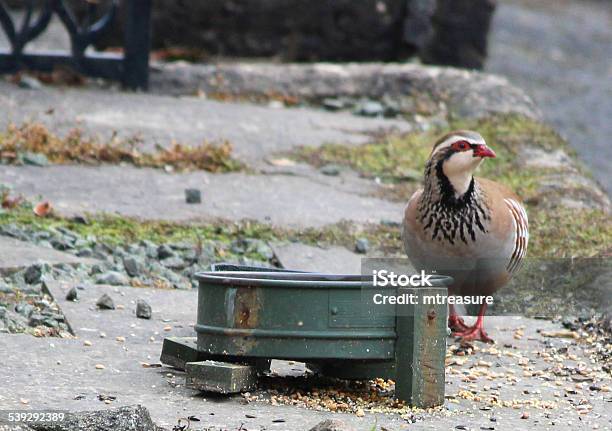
(15, 255)
(331, 260)
(254, 131)
(283, 200)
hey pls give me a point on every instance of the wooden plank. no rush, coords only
(177, 351)
(421, 349)
(220, 377)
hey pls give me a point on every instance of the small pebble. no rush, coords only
(143, 309)
(105, 302)
(87, 343)
(100, 367)
(193, 196)
(362, 245)
(330, 170)
(72, 294)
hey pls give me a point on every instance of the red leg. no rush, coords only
(455, 322)
(477, 331)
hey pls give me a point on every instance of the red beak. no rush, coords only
(483, 151)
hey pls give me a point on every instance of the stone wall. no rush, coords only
(449, 32)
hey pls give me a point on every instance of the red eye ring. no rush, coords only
(461, 146)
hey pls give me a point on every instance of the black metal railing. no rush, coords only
(131, 68)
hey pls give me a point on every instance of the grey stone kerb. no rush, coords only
(460, 93)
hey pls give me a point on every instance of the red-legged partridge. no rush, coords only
(473, 229)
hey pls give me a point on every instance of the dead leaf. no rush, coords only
(42, 209)
(9, 203)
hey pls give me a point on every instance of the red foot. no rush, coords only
(456, 324)
(476, 332)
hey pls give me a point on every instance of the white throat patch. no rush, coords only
(459, 170)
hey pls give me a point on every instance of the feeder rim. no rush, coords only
(297, 279)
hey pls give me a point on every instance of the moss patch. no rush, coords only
(565, 232)
(399, 160)
(75, 147)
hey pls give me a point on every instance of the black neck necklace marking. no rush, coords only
(448, 217)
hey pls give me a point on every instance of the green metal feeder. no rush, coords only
(248, 316)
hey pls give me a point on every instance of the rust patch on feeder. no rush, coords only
(246, 308)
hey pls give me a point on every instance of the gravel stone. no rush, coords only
(85, 252)
(5, 288)
(143, 309)
(333, 104)
(34, 159)
(133, 266)
(105, 302)
(193, 196)
(362, 245)
(61, 244)
(30, 83)
(113, 278)
(330, 170)
(33, 274)
(36, 320)
(174, 263)
(96, 269)
(370, 108)
(164, 251)
(24, 309)
(72, 295)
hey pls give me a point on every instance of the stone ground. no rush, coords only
(73, 374)
(559, 52)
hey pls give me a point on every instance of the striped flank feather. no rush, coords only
(521, 228)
